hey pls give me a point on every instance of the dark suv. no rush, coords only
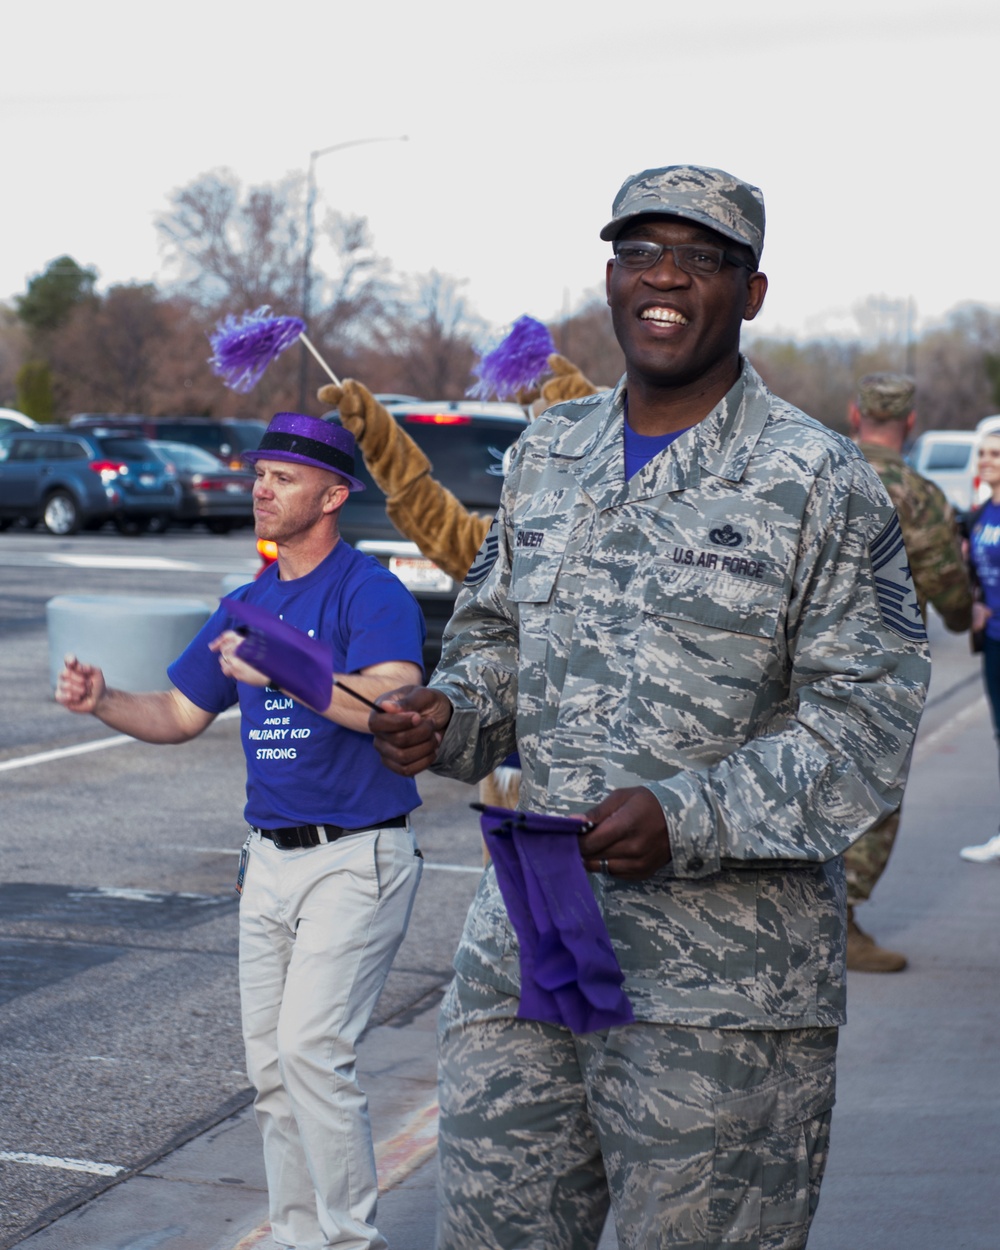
(225, 437)
(71, 478)
(465, 443)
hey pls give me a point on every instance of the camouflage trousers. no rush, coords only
(697, 1138)
(866, 859)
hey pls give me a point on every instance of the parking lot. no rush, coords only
(119, 1029)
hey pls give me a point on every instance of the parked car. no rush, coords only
(211, 492)
(225, 437)
(465, 443)
(11, 419)
(948, 458)
(72, 478)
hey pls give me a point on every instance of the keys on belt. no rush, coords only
(296, 837)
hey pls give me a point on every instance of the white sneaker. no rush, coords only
(982, 854)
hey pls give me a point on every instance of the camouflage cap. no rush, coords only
(709, 197)
(886, 396)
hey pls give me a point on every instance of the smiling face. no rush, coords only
(677, 329)
(988, 462)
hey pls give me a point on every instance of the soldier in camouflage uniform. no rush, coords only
(719, 660)
(881, 420)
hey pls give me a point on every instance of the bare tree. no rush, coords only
(954, 386)
(103, 357)
(235, 251)
(587, 338)
(431, 338)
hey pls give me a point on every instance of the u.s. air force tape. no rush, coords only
(486, 556)
(897, 599)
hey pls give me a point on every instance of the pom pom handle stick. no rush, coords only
(330, 373)
(242, 349)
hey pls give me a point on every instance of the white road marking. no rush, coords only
(66, 1165)
(61, 753)
(149, 564)
(951, 725)
(83, 748)
(431, 867)
(131, 895)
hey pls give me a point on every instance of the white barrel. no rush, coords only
(132, 638)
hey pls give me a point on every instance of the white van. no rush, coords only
(948, 458)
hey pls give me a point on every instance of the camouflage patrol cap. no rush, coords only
(886, 396)
(709, 197)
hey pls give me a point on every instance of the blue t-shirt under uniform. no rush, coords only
(301, 767)
(641, 448)
(984, 551)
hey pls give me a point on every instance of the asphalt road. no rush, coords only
(119, 1026)
(119, 1032)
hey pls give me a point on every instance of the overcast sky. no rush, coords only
(870, 126)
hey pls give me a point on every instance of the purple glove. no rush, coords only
(569, 972)
(285, 655)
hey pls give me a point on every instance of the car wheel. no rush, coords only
(160, 523)
(132, 525)
(219, 527)
(5, 523)
(61, 514)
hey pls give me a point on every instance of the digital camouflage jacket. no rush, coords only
(735, 629)
(930, 534)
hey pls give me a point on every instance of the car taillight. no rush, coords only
(208, 483)
(267, 550)
(108, 469)
(437, 418)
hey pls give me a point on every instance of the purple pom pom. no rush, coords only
(242, 350)
(516, 364)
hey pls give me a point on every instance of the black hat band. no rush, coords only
(337, 460)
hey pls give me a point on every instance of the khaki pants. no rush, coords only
(698, 1138)
(319, 929)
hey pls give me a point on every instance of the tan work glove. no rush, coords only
(354, 402)
(567, 382)
(417, 504)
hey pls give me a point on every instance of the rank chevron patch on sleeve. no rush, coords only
(897, 599)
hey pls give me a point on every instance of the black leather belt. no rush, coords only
(294, 837)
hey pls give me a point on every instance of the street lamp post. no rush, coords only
(310, 236)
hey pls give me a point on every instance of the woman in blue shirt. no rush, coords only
(984, 558)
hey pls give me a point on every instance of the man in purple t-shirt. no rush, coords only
(330, 865)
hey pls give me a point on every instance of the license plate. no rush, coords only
(235, 488)
(419, 573)
(147, 479)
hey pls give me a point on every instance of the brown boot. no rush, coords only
(863, 955)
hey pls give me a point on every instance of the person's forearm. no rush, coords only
(353, 709)
(156, 716)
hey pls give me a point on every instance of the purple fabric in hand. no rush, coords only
(289, 658)
(569, 972)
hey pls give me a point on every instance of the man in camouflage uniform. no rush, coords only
(881, 420)
(718, 659)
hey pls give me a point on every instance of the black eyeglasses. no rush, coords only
(701, 259)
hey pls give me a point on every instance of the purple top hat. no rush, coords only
(308, 440)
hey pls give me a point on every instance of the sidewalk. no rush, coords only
(917, 1122)
(211, 1193)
